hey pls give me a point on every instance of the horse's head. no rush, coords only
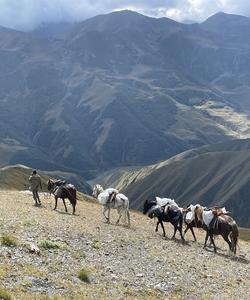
(147, 205)
(155, 211)
(198, 212)
(50, 184)
(97, 189)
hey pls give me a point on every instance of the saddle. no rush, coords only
(217, 211)
(112, 197)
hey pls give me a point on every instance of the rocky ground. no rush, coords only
(116, 262)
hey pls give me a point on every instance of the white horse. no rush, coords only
(120, 202)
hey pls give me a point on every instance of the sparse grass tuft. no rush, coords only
(96, 244)
(47, 244)
(8, 240)
(84, 275)
(5, 295)
(29, 222)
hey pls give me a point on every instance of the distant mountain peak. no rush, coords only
(222, 16)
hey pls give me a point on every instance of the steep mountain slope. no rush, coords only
(115, 262)
(120, 89)
(214, 175)
(16, 178)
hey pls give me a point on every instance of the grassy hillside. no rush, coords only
(81, 257)
(211, 175)
(16, 178)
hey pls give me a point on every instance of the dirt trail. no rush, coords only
(122, 263)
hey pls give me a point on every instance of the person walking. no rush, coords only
(35, 184)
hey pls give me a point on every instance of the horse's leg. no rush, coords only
(108, 214)
(175, 229)
(225, 237)
(206, 238)
(180, 228)
(157, 224)
(163, 229)
(128, 216)
(105, 208)
(212, 240)
(56, 199)
(64, 204)
(120, 212)
(74, 208)
(192, 230)
(186, 229)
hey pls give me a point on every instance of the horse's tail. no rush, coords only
(125, 201)
(71, 191)
(234, 237)
(127, 204)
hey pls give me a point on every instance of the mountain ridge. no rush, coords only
(216, 175)
(77, 94)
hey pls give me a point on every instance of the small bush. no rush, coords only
(47, 244)
(8, 240)
(84, 275)
(82, 255)
(96, 245)
(5, 295)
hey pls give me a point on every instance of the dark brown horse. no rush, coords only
(63, 190)
(167, 213)
(220, 224)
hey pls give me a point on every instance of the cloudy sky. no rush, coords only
(27, 14)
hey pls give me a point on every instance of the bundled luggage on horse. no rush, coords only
(62, 189)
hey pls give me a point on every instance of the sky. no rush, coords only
(28, 14)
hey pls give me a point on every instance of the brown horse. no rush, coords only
(217, 222)
(191, 223)
(63, 190)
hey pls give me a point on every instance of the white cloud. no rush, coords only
(26, 14)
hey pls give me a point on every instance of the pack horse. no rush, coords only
(111, 198)
(63, 190)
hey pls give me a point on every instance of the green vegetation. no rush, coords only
(47, 244)
(8, 240)
(4, 294)
(84, 275)
(96, 244)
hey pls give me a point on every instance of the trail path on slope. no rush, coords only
(124, 263)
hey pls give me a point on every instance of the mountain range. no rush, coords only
(121, 89)
(214, 175)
